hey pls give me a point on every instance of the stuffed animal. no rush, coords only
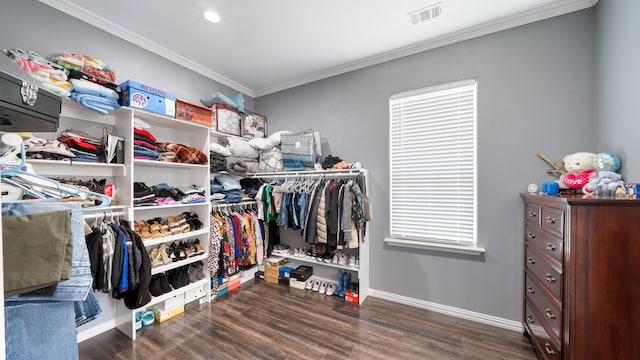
(579, 167)
(606, 165)
(606, 181)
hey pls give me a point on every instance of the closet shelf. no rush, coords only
(321, 263)
(160, 207)
(165, 121)
(182, 290)
(62, 168)
(166, 239)
(91, 212)
(177, 264)
(73, 111)
(156, 164)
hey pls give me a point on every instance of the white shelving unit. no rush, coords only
(123, 176)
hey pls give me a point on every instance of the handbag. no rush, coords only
(299, 150)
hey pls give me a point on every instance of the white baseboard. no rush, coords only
(449, 310)
(96, 330)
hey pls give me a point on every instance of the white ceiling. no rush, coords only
(263, 46)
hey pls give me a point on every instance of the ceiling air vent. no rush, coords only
(426, 13)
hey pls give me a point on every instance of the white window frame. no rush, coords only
(441, 216)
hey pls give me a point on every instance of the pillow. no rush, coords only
(274, 138)
(218, 98)
(260, 143)
(240, 148)
(219, 149)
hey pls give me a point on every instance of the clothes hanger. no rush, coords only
(45, 188)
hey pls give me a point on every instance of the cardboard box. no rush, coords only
(285, 272)
(628, 191)
(302, 273)
(351, 297)
(234, 284)
(161, 314)
(173, 302)
(297, 284)
(272, 272)
(193, 112)
(283, 281)
(194, 294)
(145, 97)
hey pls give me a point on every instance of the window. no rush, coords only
(433, 167)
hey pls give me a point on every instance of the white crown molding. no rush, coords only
(449, 310)
(526, 17)
(551, 10)
(103, 24)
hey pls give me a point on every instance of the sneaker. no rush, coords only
(357, 261)
(334, 260)
(309, 284)
(323, 287)
(331, 289)
(342, 259)
(352, 261)
(316, 285)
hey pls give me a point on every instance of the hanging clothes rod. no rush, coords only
(309, 173)
(240, 204)
(105, 214)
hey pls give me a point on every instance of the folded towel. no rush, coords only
(87, 87)
(99, 104)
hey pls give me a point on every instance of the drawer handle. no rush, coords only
(551, 247)
(550, 278)
(551, 220)
(549, 314)
(531, 235)
(530, 290)
(532, 213)
(531, 261)
(530, 319)
(548, 349)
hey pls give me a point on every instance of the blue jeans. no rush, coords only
(44, 330)
(78, 288)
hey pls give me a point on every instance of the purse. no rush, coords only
(299, 150)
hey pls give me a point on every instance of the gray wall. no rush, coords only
(535, 93)
(31, 25)
(618, 68)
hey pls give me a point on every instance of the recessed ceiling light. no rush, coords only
(212, 16)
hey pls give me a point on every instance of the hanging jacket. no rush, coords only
(321, 217)
(140, 295)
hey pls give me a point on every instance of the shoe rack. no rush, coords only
(123, 176)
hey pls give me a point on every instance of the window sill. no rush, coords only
(469, 250)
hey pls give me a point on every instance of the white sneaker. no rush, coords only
(316, 285)
(323, 287)
(352, 261)
(334, 260)
(342, 259)
(309, 284)
(331, 288)
(357, 262)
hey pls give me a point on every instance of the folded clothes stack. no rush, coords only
(85, 147)
(49, 75)
(163, 194)
(217, 191)
(144, 145)
(171, 152)
(43, 149)
(93, 81)
(143, 195)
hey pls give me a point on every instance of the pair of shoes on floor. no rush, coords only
(322, 287)
(145, 318)
(344, 281)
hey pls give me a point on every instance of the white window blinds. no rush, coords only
(433, 164)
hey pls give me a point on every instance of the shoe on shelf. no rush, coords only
(309, 284)
(352, 261)
(331, 289)
(357, 262)
(316, 285)
(323, 287)
(342, 259)
(147, 318)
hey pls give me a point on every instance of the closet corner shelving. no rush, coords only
(123, 176)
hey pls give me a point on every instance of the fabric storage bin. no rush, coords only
(253, 125)
(227, 119)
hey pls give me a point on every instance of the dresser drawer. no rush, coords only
(551, 313)
(544, 271)
(547, 345)
(547, 244)
(552, 220)
(533, 213)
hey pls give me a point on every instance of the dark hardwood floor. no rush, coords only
(267, 321)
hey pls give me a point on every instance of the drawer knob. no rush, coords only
(532, 213)
(530, 290)
(551, 220)
(531, 235)
(531, 261)
(551, 247)
(530, 319)
(549, 314)
(550, 278)
(548, 349)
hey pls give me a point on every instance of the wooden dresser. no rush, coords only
(582, 277)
